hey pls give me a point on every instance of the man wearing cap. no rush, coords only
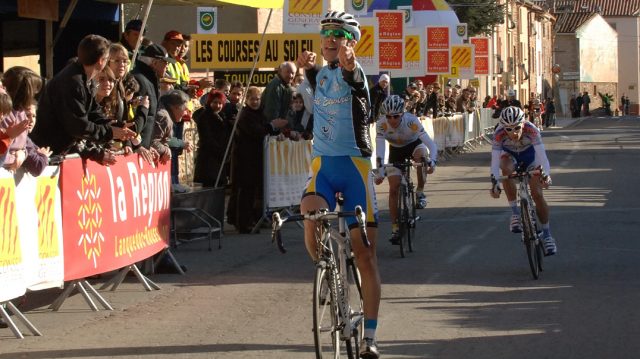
(411, 97)
(172, 42)
(150, 68)
(510, 101)
(378, 93)
(131, 35)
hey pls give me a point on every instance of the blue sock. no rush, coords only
(546, 232)
(514, 207)
(370, 326)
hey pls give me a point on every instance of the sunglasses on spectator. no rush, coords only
(337, 33)
(510, 129)
(394, 116)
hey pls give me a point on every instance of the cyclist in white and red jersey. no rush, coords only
(407, 139)
(517, 144)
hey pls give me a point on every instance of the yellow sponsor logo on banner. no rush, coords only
(90, 219)
(366, 46)
(239, 51)
(48, 241)
(10, 250)
(461, 56)
(412, 48)
(307, 7)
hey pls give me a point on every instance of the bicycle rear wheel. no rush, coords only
(325, 315)
(529, 239)
(403, 220)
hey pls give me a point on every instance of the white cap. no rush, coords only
(384, 77)
(511, 92)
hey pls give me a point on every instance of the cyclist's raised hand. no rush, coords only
(306, 60)
(347, 57)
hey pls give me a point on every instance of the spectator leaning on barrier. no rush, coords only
(245, 202)
(432, 108)
(37, 157)
(411, 97)
(23, 86)
(150, 67)
(8, 134)
(298, 129)
(68, 112)
(276, 97)
(462, 102)
(473, 99)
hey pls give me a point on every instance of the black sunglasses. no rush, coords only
(516, 128)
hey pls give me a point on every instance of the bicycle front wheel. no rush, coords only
(411, 206)
(403, 220)
(353, 294)
(529, 239)
(325, 316)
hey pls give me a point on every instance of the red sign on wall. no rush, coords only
(438, 62)
(482, 45)
(112, 216)
(390, 55)
(481, 65)
(437, 37)
(390, 24)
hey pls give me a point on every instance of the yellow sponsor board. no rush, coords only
(306, 7)
(239, 51)
(412, 48)
(461, 56)
(10, 250)
(366, 46)
(48, 245)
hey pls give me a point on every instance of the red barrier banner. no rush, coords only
(112, 216)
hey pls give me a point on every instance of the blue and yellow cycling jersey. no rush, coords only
(340, 112)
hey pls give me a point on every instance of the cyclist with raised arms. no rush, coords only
(407, 139)
(517, 142)
(342, 153)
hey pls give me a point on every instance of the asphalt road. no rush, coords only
(466, 291)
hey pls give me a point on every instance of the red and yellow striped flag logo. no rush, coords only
(461, 56)
(48, 242)
(365, 47)
(10, 250)
(308, 7)
(412, 48)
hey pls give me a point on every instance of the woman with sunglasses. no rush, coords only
(342, 153)
(517, 142)
(407, 139)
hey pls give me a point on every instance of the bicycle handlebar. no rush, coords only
(520, 174)
(321, 214)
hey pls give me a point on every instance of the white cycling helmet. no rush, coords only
(345, 20)
(511, 116)
(392, 105)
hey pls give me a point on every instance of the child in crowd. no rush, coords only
(136, 111)
(22, 85)
(300, 121)
(37, 157)
(8, 134)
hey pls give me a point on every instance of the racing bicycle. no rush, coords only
(530, 233)
(338, 315)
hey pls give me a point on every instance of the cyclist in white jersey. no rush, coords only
(517, 143)
(407, 139)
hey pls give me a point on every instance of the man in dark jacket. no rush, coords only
(68, 112)
(150, 67)
(378, 93)
(276, 97)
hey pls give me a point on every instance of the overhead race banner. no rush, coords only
(414, 60)
(238, 51)
(390, 39)
(462, 65)
(260, 78)
(367, 49)
(207, 20)
(303, 16)
(113, 216)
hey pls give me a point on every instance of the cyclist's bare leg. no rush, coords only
(542, 209)
(507, 167)
(394, 186)
(311, 203)
(367, 263)
(419, 155)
